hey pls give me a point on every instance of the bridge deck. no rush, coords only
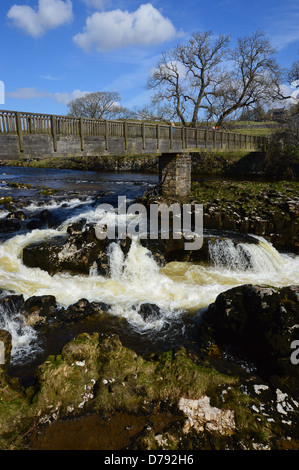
(29, 135)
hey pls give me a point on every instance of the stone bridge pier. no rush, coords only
(175, 174)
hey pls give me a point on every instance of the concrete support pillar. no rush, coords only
(175, 174)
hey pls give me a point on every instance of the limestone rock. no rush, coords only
(202, 416)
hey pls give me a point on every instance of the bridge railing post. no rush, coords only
(126, 134)
(106, 134)
(19, 131)
(158, 136)
(81, 132)
(143, 135)
(54, 132)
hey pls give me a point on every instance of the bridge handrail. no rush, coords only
(20, 122)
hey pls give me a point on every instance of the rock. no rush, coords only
(83, 308)
(256, 323)
(45, 255)
(9, 225)
(45, 215)
(184, 402)
(33, 224)
(202, 416)
(39, 310)
(43, 311)
(77, 227)
(16, 215)
(77, 311)
(149, 312)
(75, 253)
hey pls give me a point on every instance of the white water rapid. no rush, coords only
(136, 278)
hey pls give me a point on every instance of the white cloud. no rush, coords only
(28, 93)
(49, 77)
(98, 4)
(118, 29)
(65, 97)
(49, 15)
(32, 93)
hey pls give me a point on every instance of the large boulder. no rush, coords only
(75, 252)
(256, 323)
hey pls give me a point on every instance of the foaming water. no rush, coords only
(260, 257)
(25, 341)
(178, 288)
(57, 204)
(236, 264)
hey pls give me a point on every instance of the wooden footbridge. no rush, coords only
(27, 136)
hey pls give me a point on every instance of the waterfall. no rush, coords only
(258, 257)
(138, 266)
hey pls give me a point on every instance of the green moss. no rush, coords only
(45, 191)
(246, 194)
(93, 374)
(13, 184)
(249, 424)
(6, 201)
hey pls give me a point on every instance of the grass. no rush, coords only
(246, 194)
(262, 132)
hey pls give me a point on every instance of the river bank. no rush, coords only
(233, 164)
(117, 346)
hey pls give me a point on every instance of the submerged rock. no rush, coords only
(149, 312)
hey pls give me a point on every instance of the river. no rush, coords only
(182, 290)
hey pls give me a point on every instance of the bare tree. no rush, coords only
(253, 79)
(293, 80)
(202, 57)
(293, 74)
(187, 75)
(154, 111)
(97, 105)
(168, 79)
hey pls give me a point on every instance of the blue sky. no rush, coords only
(55, 50)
